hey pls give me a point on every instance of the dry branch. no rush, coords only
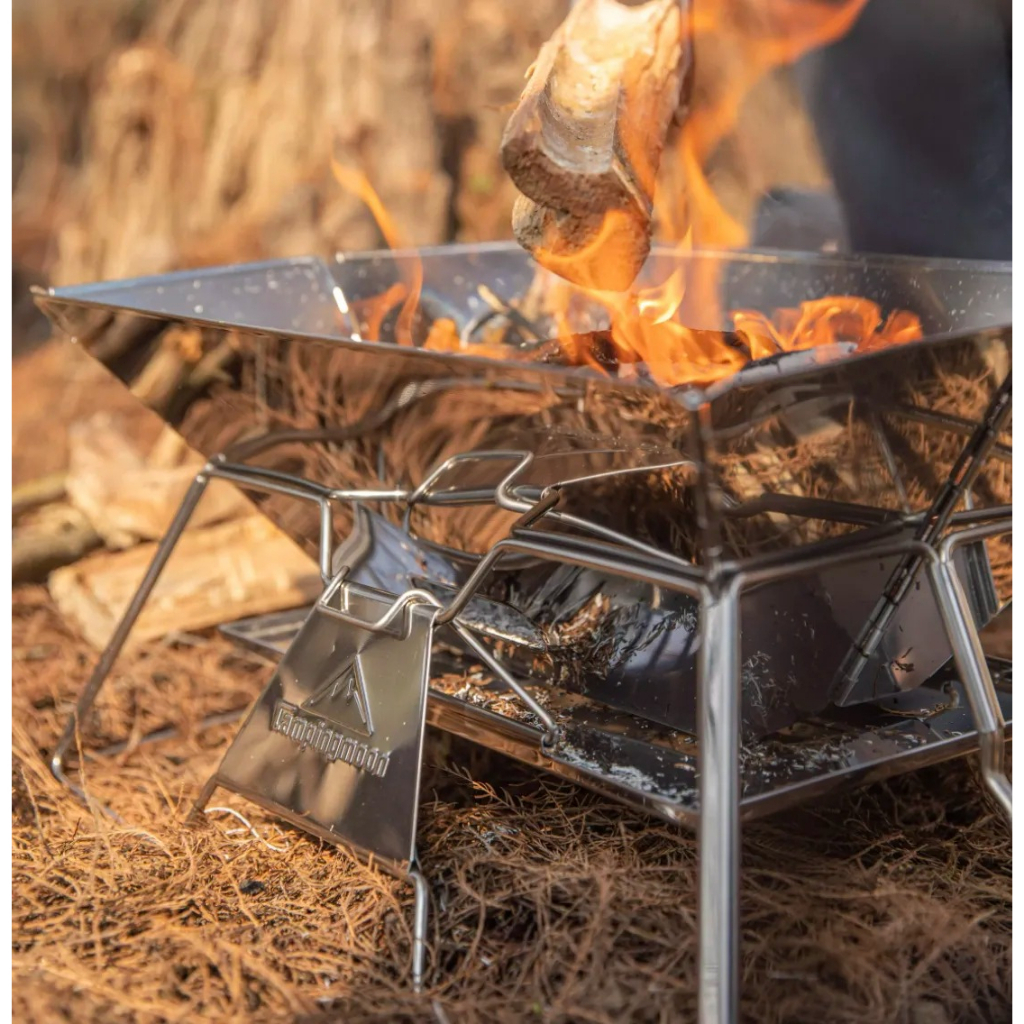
(586, 137)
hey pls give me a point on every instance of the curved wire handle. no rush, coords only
(447, 614)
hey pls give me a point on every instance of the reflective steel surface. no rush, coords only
(800, 450)
(655, 768)
(335, 742)
(636, 648)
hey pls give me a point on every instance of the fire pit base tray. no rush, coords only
(655, 768)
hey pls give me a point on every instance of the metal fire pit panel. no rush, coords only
(335, 742)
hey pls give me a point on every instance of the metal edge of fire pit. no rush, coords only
(655, 769)
(321, 310)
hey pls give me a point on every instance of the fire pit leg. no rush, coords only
(414, 875)
(58, 760)
(421, 915)
(719, 829)
(970, 661)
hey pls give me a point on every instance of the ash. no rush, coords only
(626, 775)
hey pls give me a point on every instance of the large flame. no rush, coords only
(644, 328)
(762, 37)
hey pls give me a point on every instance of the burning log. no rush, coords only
(584, 143)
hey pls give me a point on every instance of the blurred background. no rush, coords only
(154, 134)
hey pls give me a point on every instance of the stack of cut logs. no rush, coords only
(584, 143)
(91, 532)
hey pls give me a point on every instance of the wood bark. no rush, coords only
(586, 137)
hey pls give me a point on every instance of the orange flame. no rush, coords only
(643, 324)
(356, 182)
(762, 37)
(821, 322)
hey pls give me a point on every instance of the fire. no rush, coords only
(356, 182)
(690, 215)
(760, 37)
(644, 325)
(819, 323)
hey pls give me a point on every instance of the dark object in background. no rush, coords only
(913, 116)
(802, 221)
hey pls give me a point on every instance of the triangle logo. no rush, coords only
(342, 700)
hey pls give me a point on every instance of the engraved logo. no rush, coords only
(330, 716)
(313, 731)
(342, 700)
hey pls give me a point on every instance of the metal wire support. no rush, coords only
(255, 478)
(931, 529)
(247, 477)
(719, 846)
(421, 918)
(720, 694)
(110, 653)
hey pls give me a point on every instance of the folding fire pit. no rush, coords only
(711, 601)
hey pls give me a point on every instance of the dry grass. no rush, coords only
(548, 902)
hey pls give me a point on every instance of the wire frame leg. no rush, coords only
(421, 909)
(421, 890)
(419, 930)
(977, 680)
(719, 827)
(88, 696)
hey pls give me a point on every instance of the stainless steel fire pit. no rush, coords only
(708, 601)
